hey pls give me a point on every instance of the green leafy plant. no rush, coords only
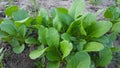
(66, 38)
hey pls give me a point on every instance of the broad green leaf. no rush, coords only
(105, 57)
(8, 28)
(79, 60)
(88, 20)
(52, 37)
(14, 42)
(53, 64)
(43, 13)
(112, 12)
(100, 28)
(77, 8)
(22, 30)
(66, 47)
(41, 47)
(53, 12)
(46, 21)
(113, 36)
(93, 46)
(53, 54)
(66, 36)
(9, 10)
(103, 39)
(20, 15)
(30, 40)
(76, 28)
(38, 20)
(3, 34)
(36, 53)
(42, 34)
(63, 16)
(108, 13)
(81, 44)
(57, 23)
(116, 27)
(19, 49)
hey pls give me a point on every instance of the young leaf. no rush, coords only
(53, 54)
(30, 40)
(81, 44)
(93, 46)
(14, 42)
(22, 30)
(77, 8)
(42, 34)
(100, 28)
(19, 49)
(52, 37)
(57, 23)
(20, 15)
(66, 47)
(36, 53)
(116, 27)
(112, 12)
(53, 64)
(88, 20)
(38, 20)
(3, 34)
(103, 39)
(113, 36)
(76, 28)
(63, 16)
(105, 57)
(53, 12)
(43, 13)
(108, 13)
(66, 36)
(79, 60)
(8, 28)
(10, 10)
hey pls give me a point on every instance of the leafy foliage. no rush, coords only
(66, 38)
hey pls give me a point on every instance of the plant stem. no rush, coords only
(35, 7)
